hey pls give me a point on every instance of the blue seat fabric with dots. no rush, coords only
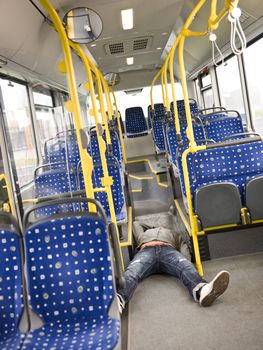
(219, 126)
(51, 183)
(135, 122)
(117, 187)
(237, 164)
(70, 282)
(181, 107)
(172, 142)
(157, 121)
(11, 299)
(93, 147)
(63, 148)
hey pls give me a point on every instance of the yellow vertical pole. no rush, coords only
(119, 126)
(87, 164)
(106, 180)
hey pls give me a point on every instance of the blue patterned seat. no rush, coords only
(221, 125)
(54, 182)
(157, 121)
(70, 282)
(117, 187)
(93, 147)
(11, 293)
(172, 142)
(135, 121)
(62, 148)
(194, 109)
(235, 164)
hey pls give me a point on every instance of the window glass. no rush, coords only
(43, 99)
(254, 73)
(206, 80)
(50, 122)
(142, 99)
(208, 98)
(16, 107)
(230, 85)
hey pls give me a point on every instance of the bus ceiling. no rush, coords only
(30, 47)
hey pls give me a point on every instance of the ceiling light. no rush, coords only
(129, 60)
(93, 45)
(164, 33)
(158, 48)
(127, 19)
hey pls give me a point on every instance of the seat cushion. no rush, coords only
(96, 334)
(13, 342)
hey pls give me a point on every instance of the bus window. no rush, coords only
(230, 85)
(50, 120)
(254, 72)
(206, 89)
(17, 113)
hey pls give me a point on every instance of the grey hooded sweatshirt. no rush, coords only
(160, 234)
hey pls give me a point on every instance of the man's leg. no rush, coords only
(143, 264)
(175, 264)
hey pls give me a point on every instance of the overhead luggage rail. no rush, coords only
(65, 251)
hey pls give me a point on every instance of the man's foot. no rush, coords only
(121, 303)
(212, 290)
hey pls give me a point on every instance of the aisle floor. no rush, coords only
(162, 315)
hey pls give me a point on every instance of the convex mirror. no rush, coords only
(112, 78)
(83, 25)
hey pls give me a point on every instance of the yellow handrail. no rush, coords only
(119, 126)
(107, 180)
(86, 160)
(3, 177)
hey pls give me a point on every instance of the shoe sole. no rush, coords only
(219, 286)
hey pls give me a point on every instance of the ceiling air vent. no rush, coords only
(116, 48)
(140, 44)
(129, 46)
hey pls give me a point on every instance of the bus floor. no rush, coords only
(162, 315)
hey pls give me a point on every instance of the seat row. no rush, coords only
(70, 282)
(224, 179)
(63, 173)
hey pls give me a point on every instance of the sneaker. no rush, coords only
(212, 290)
(121, 303)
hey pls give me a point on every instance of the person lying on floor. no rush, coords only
(162, 251)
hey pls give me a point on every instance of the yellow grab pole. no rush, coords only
(214, 19)
(3, 177)
(119, 126)
(86, 160)
(106, 181)
(163, 91)
(171, 69)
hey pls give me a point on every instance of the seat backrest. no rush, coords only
(181, 107)
(158, 120)
(70, 277)
(172, 142)
(220, 126)
(236, 163)
(52, 183)
(11, 300)
(117, 187)
(62, 148)
(116, 146)
(135, 121)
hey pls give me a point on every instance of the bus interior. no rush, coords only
(116, 111)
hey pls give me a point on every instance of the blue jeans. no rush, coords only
(159, 259)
